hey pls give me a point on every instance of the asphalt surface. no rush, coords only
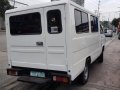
(104, 76)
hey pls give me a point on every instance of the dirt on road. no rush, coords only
(104, 76)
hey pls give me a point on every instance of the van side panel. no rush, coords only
(75, 63)
(83, 45)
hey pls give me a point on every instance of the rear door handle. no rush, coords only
(39, 43)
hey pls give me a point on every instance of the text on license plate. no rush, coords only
(37, 74)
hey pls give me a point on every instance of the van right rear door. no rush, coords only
(55, 37)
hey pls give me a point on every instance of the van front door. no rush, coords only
(55, 37)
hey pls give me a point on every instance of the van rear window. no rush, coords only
(54, 22)
(26, 24)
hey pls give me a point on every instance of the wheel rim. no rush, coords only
(86, 72)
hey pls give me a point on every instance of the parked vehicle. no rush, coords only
(108, 33)
(56, 41)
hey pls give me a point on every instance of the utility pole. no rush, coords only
(96, 12)
(119, 12)
(14, 4)
(99, 8)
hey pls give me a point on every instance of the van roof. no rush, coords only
(47, 4)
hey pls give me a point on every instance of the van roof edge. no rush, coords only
(42, 5)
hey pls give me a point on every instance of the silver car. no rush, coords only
(108, 33)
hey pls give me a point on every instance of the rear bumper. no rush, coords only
(35, 80)
(49, 75)
(108, 35)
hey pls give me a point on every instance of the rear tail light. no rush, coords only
(61, 79)
(12, 72)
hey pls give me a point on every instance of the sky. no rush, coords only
(108, 8)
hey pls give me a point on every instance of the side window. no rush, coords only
(85, 22)
(78, 21)
(94, 24)
(81, 22)
(26, 24)
(54, 22)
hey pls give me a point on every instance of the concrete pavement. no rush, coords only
(104, 76)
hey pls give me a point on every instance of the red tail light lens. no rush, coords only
(61, 79)
(12, 72)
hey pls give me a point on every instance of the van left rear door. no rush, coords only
(27, 39)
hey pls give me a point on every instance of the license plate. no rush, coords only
(37, 74)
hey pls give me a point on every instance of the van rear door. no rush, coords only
(55, 37)
(27, 39)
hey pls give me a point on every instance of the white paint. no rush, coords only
(66, 51)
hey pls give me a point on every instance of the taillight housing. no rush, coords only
(61, 79)
(12, 72)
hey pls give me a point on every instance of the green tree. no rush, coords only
(4, 5)
(115, 21)
(105, 24)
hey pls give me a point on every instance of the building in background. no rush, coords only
(80, 2)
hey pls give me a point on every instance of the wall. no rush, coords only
(2, 25)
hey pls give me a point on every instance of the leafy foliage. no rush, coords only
(4, 5)
(115, 22)
(105, 24)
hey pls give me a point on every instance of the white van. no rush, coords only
(57, 41)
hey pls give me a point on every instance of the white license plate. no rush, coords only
(37, 74)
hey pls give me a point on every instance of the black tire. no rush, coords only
(119, 37)
(100, 59)
(85, 75)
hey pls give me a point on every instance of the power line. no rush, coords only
(18, 2)
(92, 4)
(98, 6)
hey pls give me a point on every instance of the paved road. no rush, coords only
(2, 41)
(104, 76)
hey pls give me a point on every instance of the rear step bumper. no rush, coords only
(34, 80)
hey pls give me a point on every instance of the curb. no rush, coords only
(108, 43)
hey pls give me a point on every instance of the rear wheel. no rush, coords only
(100, 59)
(119, 35)
(85, 75)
